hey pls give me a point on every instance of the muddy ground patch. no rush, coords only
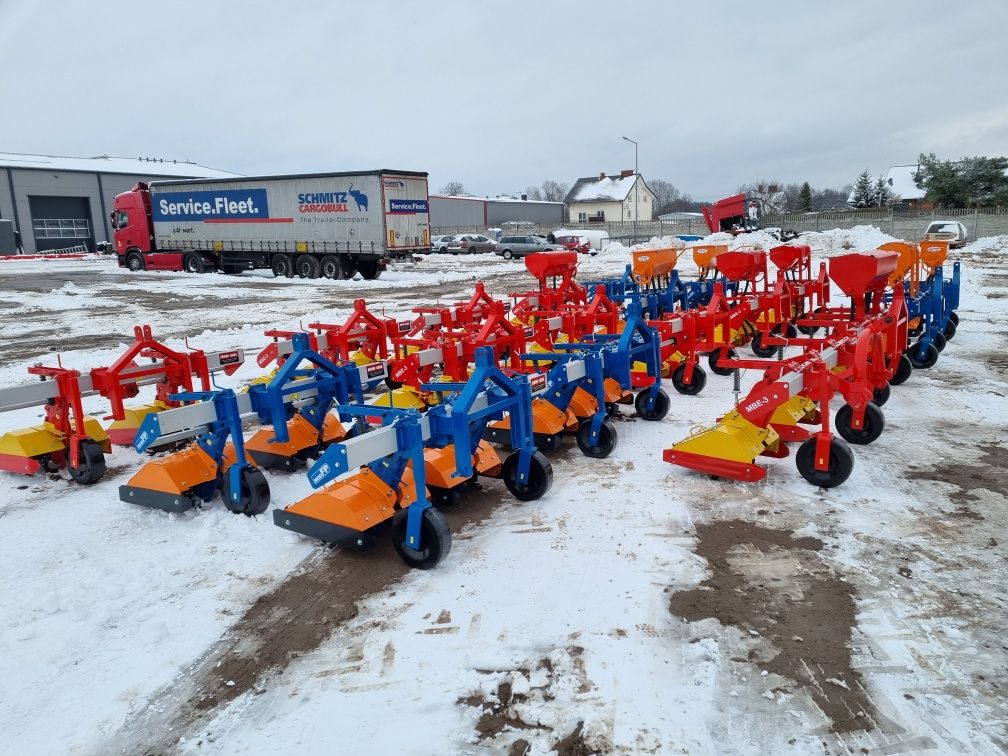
(988, 472)
(768, 582)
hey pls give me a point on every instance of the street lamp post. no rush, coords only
(636, 189)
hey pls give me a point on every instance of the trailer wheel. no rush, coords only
(874, 424)
(330, 266)
(661, 406)
(607, 440)
(715, 357)
(348, 266)
(929, 359)
(445, 498)
(904, 369)
(135, 261)
(540, 477)
(881, 395)
(949, 331)
(307, 266)
(92, 463)
(254, 497)
(283, 266)
(840, 465)
(194, 263)
(693, 388)
(435, 538)
(940, 342)
(757, 346)
(369, 269)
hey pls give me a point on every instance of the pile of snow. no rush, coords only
(989, 247)
(839, 241)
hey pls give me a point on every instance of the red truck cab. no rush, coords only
(729, 214)
(133, 232)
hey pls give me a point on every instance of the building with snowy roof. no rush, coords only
(604, 199)
(57, 202)
(450, 211)
(900, 179)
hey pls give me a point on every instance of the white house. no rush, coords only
(610, 198)
(900, 179)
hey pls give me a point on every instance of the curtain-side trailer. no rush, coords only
(331, 224)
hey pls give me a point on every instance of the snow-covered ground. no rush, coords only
(557, 623)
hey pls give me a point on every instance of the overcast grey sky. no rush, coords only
(504, 94)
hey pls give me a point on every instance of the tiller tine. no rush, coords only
(173, 483)
(728, 450)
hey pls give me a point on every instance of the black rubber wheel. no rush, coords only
(307, 266)
(949, 331)
(135, 261)
(507, 254)
(540, 477)
(757, 346)
(928, 361)
(607, 439)
(954, 317)
(194, 263)
(435, 539)
(348, 267)
(881, 395)
(254, 497)
(874, 424)
(92, 463)
(791, 331)
(940, 342)
(445, 497)
(369, 269)
(282, 266)
(693, 388)
(715, 357)
(841, 463)
(904, 369)
(330, 266)
(661, 406)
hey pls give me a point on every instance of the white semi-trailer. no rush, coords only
(324, 224)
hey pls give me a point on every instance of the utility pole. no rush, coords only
(636, 188)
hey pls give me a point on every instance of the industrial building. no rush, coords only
(451, 213)
(59, 202)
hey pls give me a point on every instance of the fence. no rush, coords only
(902, 223)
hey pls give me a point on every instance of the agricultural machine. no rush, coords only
(415, 460)
(296, 404)
(67, 437)
(856, 359)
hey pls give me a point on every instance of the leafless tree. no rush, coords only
(553, 191)
(453, 189)
(666, 195)
(769, 195)
(533, 193)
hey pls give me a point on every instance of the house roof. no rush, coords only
(107, 164)
(901, 179)
(595, 189)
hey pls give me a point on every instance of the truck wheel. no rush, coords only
(194, 263)
(283, 266)
(135, 261)
(307, 266)
(348, 266)
(369, 269)
(330, 267)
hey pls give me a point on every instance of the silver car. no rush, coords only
(519, 246)
(471, 244)
(953, 232)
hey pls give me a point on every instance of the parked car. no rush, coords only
(519, 246)
(953, 232)
(440, 243)
(579, 244)
(470, 244)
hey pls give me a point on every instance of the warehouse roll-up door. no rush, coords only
(61, 222)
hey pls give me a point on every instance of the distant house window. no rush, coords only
(582, 217)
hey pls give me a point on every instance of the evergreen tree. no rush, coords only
(864, 193)
(805, 198)
(882, 194)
